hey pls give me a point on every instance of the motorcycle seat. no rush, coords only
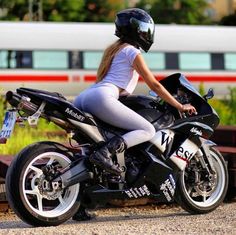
(29, 90)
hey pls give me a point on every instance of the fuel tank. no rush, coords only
(149, 108)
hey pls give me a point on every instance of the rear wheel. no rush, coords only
(199, 191)
(29, 191)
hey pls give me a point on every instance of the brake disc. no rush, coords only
(47, 190)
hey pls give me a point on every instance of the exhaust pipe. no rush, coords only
(21, 102)
(13, 98)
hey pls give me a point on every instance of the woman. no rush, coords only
(118, 75)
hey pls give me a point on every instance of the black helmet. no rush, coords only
(136, 27)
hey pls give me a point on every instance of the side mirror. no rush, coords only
(209, 94)
(153, 93)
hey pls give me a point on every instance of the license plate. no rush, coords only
(8, 124)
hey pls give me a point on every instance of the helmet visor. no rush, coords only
(145, 30)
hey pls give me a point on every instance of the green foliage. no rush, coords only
(232, 103)
(22, 137)
(202, 89)
(226, 108)
(168, 11)
(101, 11)
(224, 111)
(63, 10)
(179, 12)
(15, 9)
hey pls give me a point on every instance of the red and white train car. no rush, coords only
(64, 57)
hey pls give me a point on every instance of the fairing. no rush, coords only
(205, 113)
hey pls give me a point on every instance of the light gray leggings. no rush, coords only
(102, 101)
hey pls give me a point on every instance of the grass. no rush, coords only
(22, 137)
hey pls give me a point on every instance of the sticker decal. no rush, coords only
(138, 192)
(196, 131)
(165, 140)
(8, 124)
(168, 188)
(183, 153)
(75, 115)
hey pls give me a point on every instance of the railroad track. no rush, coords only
(4, 207)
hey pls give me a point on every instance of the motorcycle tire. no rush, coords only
(28, 191)
(195, 202)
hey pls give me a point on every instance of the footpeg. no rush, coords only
(115, 179)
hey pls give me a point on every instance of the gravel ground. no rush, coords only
(151, 219)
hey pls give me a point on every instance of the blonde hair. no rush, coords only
(107, 58)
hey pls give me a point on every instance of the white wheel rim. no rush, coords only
(217, 193)
(41, 207)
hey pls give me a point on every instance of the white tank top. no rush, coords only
(121, 72)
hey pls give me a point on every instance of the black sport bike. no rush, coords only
(48, 182)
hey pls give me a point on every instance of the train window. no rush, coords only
(172, 61)
(194, 61)
(7, 59)
(230, 61)
(91, 59)
(155, 60)
(217, 61)
(23, 59)
(50, 60)
(75, 59)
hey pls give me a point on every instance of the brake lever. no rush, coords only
(184, 115)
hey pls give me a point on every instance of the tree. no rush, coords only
(62, 10)
(13, 9)
(176, 11)
(229, 20)
(101, 10)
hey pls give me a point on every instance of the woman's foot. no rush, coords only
(82, 215)
(103, 156)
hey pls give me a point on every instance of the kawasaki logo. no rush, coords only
(75, 115)
(196, 131)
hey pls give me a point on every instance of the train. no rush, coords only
(64, 57)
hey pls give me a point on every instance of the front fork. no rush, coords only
(205, 157)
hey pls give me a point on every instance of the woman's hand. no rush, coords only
(188, 108)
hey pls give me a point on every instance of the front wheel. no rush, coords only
(200, 191)
(29, 191)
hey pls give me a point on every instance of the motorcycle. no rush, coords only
(47, 182)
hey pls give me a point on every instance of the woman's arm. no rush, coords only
(141, 67)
